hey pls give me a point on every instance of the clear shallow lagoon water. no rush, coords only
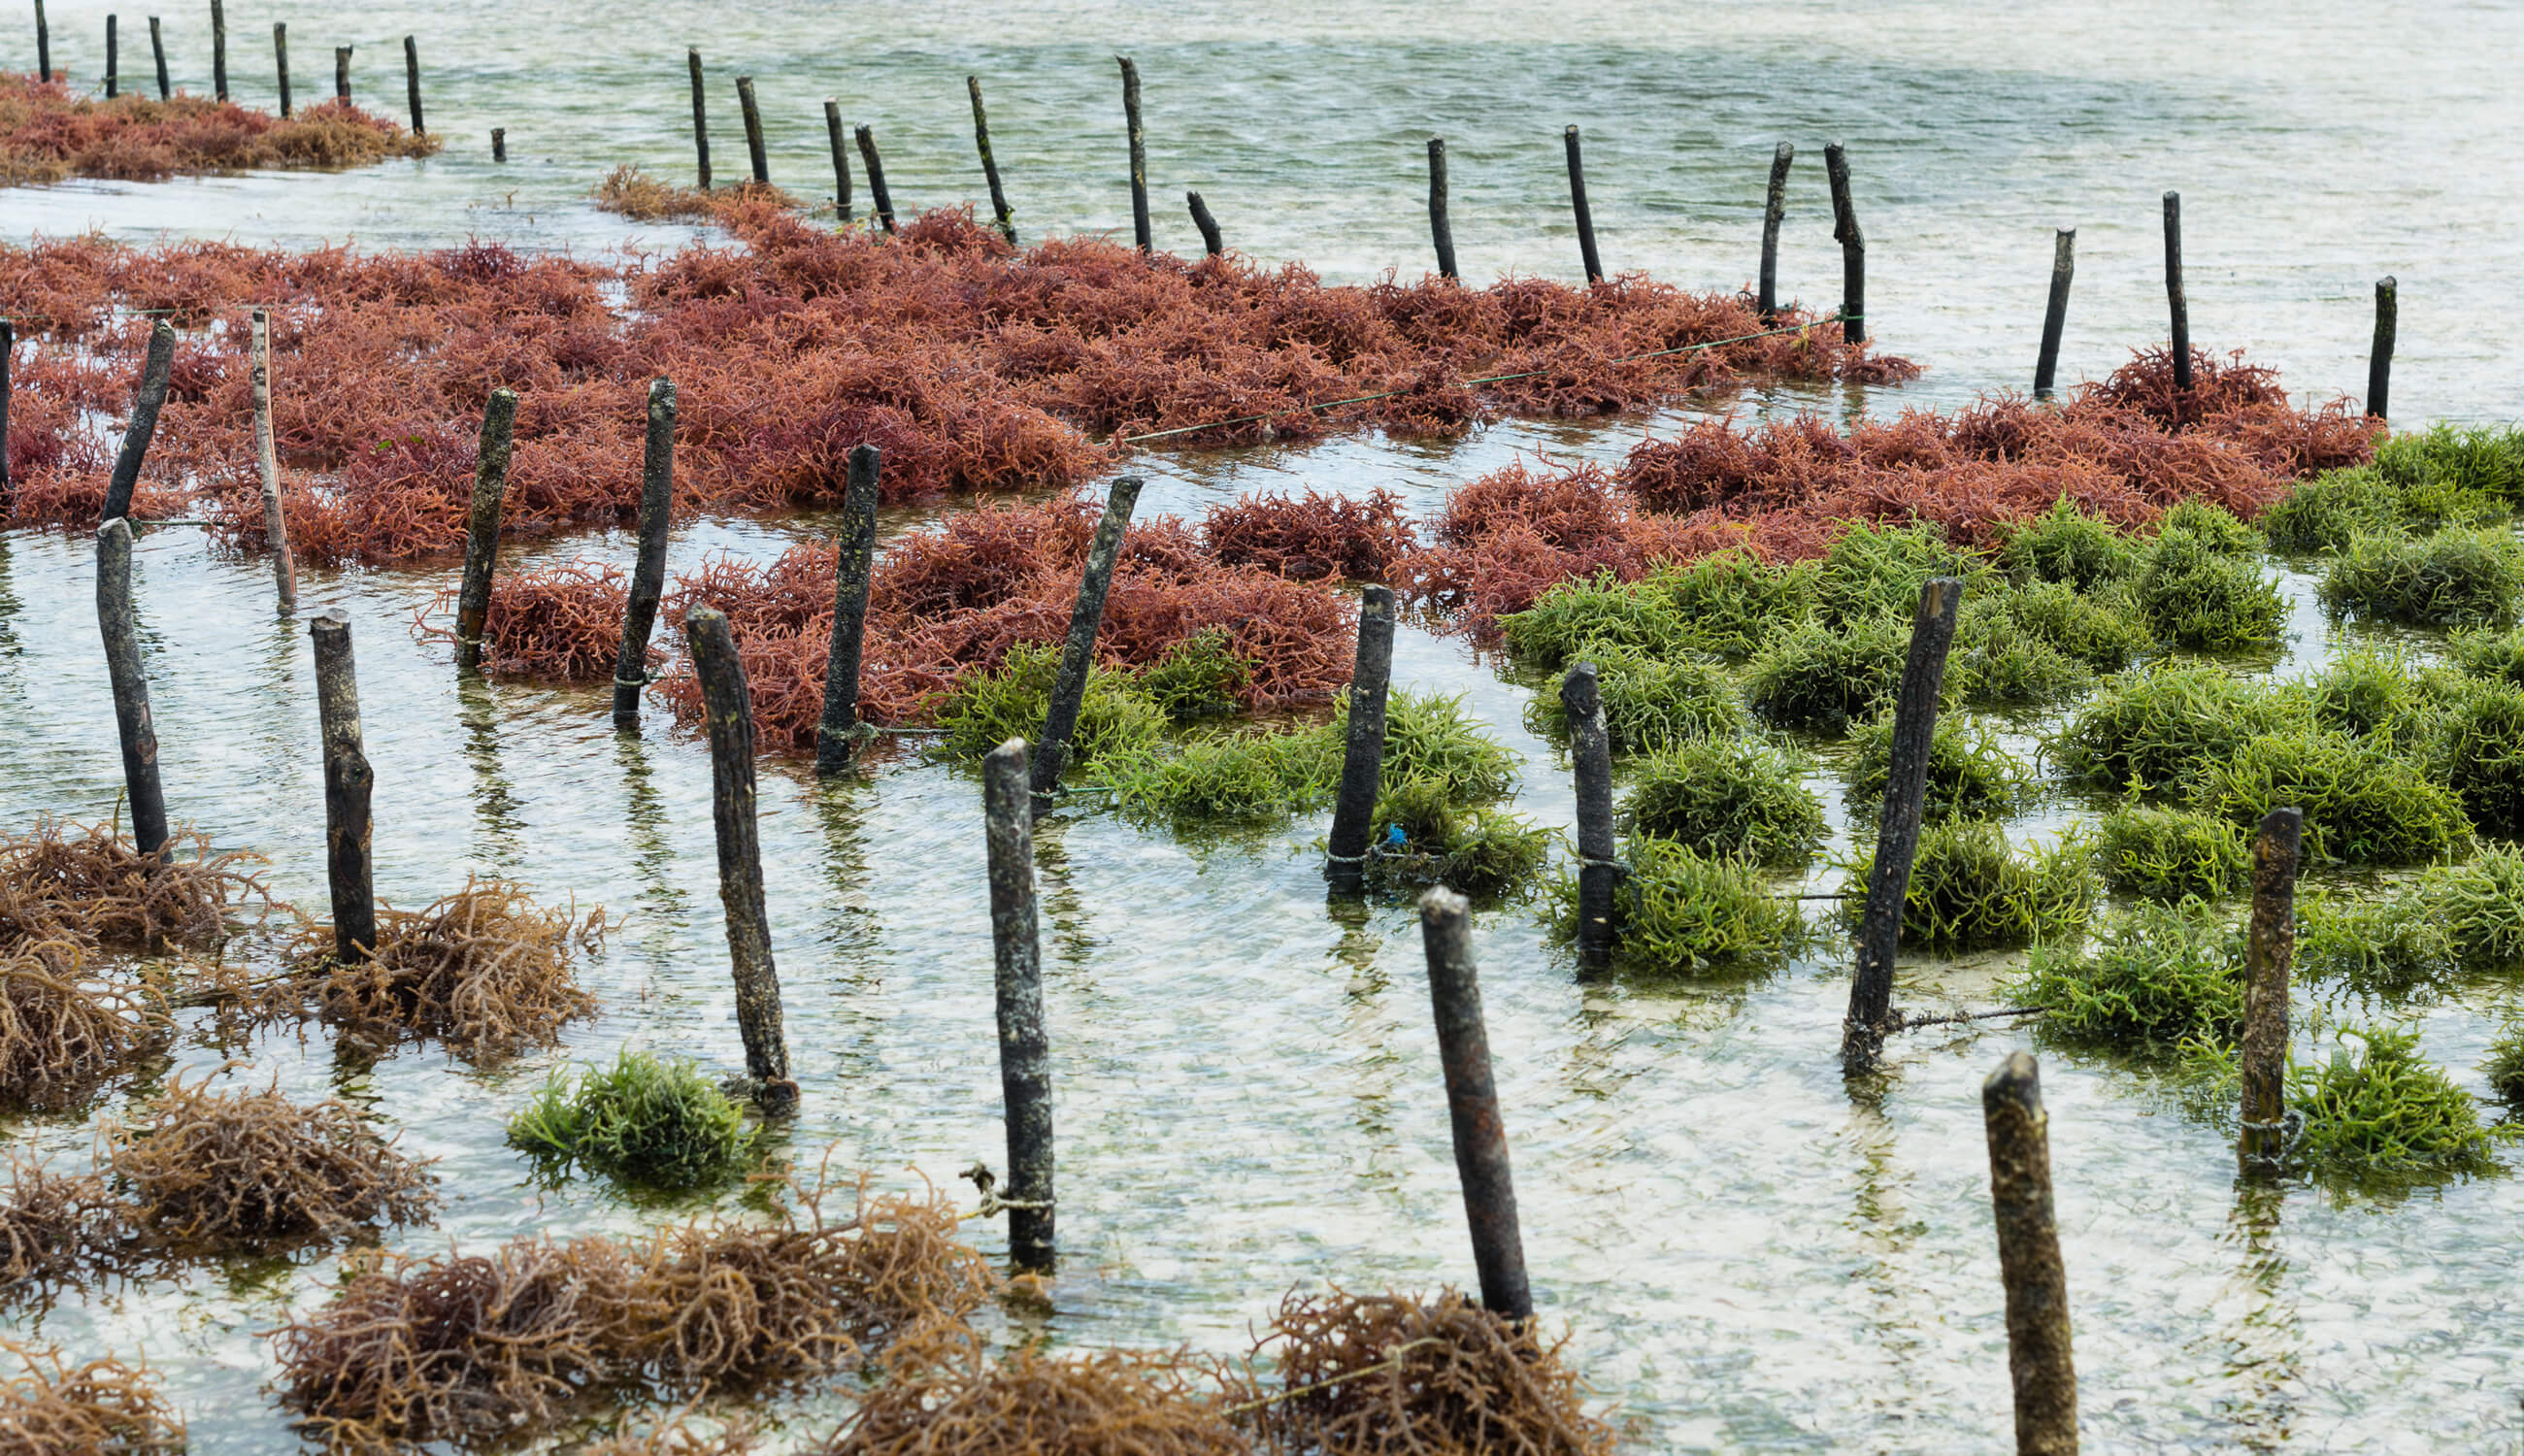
(1751, 1256)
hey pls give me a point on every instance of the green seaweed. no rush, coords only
(2488, 461)
(1969, 891)
(653, 1122)
(2481, 757)
(1676, 910)
(1479, 853)
(1651, 704)
(1875, 572)
(2066, 547)
(1728, 799)
(2454, 578)
(1971, 773)
(1200, 677)
(989, 708)
(1577, 618)
(2161, 726)
(2156, 978)
(2382, 1107)
(2170, 854)
(2362, 805)
(1817, 678)
(2204, 585)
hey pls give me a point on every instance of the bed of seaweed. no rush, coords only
(50, 134)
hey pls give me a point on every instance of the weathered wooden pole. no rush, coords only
(2379, 359)
(1078, 652)
(878, 197)
(2181, 308)
(1775, 209)
(1472, 1105)
(342, 73)
(482, 526)
(1363, 753)
(1577, 207)
(348, 780)
(1853, 245)
(754, 146)
(700, 118)
(280, 60)
(1599, 872)
(2268, 953)
(275, 524)
(2039, 1361)
(158, 49)
(1138, 154)
(43, 44)
(837, 736)
(499, 143)
(412, 83)
(7, 347)
(2055, 314)
(1442, 230)
(1025, 1048)
(132, 725)
(112, 55)
(218, 50)
(841, 159)
(1897, 834)
(989, 167)
(1208, 225)
(728, 707)
(649, 571)
(146, 402)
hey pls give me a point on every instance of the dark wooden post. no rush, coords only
(1363, 754)
(989, 167)
(276, 523)
(43, 44)
(342, 73)
(218, 51)
(835, 737)
(878, 197)
(499, 143)
(754, 146)
(1578, 206)
(1078, 652)
(7, 347)
(841, 159)
(1853, 245)
(1025, 1048)
(1599, 872)
(280, 60)
(112, 55)
(130, 679)
(1442, 230)
(2379, 359)
(158, 50)
(412, 83)
(482, 527)
(728, 706)
(649, 571)
(2268, 953)
(1472, 1105)
(1208, 225)
(1138, 154)
(146, 402)
(1775, 209)
(2054, 314)
(701, 118)
(348, 780)
(2038, 1356)
(1897, 835)
(2181, 308)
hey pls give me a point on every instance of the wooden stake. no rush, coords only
(1078, 652)
(878, 197)
(275, 524)
(728, 706)
(342, 72)
(1472, 1105)
(482, 527)
(1363, 754)
(754, 146)
(841, 159)
(1578, 206)
(700, 118)
(112, 52)
(1208, 225)
(218, 51)
(348, 780)
(1775, 209)
(43, 44)
(2181, 308)
(412, 83)
(1441, 231)
(835, 737)
(1138, 154)
(123, 665)
(1853, 246)
(1599, 873)
(7, 347)
(2268, 953)
(1025, 1047)
(1897, 835)
(989, 168)
(280, 60)
(648, 573)
(158, 49)
(499, 143)
(2038, 1357)
(2379, 360)
(2054, 314)
(146, 402)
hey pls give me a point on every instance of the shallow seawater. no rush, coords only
(1750, 1253)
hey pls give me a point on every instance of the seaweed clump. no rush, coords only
(243, 1170)
(48, 1407)
(58, 1228)
(1969, 891)
(646, 1120)
(1729, 797)
(2158, 978)
(68, 885)
(485, 971)
(50, 134)
(947, 1398)
(1676, 910)
(2449, 580)
(2167, 854)
(2383, 1110)
(1422, 839)
(63, 1031)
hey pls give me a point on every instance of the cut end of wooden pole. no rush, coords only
(1580, 690)
(2015, 1083)
(1441, 908)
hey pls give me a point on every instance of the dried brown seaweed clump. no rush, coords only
(63, 1031)
(243, 1169)
(90, 886)
(56, 1228)
(102, 1406)
(947, 1398)
(486, 971)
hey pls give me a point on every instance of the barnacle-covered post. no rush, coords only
(145, 406)
(2054, 314)
(2181, 308)
(1138, 154)
(649, 571)
(754, 146)
(130, 679)
(2379, 359)
(700, 118)
(1590, 751)
(878, 197)
(1210, 240)
(348, 780)
(482, 526)
(2268, 953)
(841, 159)
(1472, 1105)
(990, 166)
(1853, 245)
(2039, 1360)
(412, 83)
(1078, 652)
(1025, 1048)
(1897, 834)
(275, 524)
(837, 735)
(1577, 207)
(1363, 754)
(1775, 209)
(1441, 229)
(727, 706)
